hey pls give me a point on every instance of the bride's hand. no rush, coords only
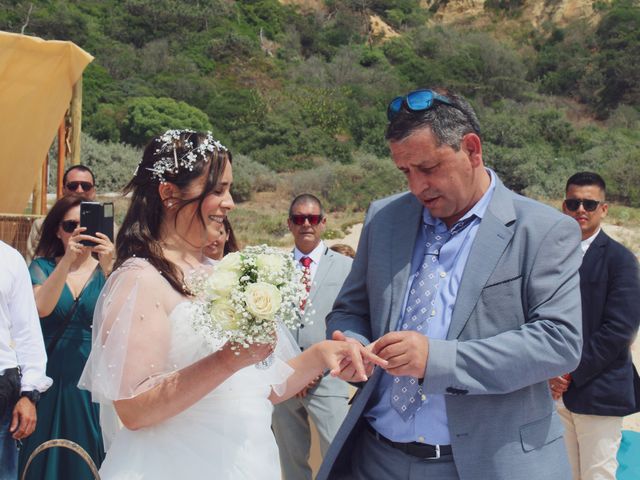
(235, 357)
(336, 353)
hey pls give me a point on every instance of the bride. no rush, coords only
(189, 410)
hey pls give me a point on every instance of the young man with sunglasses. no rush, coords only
(593, 399)
(325, 399)
(77, 180)
(470, 292)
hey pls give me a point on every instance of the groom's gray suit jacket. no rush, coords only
(515, 324)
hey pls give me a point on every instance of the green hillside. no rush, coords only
(291, 90)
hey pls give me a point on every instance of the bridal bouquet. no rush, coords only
(247, 293)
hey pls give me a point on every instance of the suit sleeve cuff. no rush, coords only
(356, 336)
(439, 374)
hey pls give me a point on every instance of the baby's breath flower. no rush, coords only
(246, 294)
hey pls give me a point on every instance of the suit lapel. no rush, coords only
(324, 267)
(592, 255)
(403, 238)
(493, 236)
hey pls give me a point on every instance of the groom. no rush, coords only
(471, 293)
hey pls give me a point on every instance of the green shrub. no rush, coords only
(113, 163)
(249, 177)
(350, 186)
(149, 116)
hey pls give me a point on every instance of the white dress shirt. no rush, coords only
(21, 343)
(315, 255)
(586, 243)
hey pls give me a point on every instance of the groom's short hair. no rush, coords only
(448, 123)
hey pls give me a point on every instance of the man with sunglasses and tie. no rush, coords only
(77, 180)
(470, 292)
(325, 399)
(594, 398)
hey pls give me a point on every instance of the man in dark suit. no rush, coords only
(605, 386)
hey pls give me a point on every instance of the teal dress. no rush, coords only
(65, 411)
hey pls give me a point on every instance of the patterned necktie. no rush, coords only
(306, 277)
(406, 392)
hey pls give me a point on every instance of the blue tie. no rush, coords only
(406, 392)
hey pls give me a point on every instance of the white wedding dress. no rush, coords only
(225, 435)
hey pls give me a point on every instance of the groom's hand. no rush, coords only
(406, 351)
(348, 371)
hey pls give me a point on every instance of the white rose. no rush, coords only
(221, 282)
(223, 314)
(263, 300)
(231, 262)
(270, 266)
(270, 262)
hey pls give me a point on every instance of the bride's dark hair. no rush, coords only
(178, 157)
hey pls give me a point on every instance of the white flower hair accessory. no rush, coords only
(169, 162)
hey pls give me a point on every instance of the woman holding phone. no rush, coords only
(67, 280)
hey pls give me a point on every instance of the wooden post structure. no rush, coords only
(43, 182)
(62, 153)
(76, 122)
(36, 195)
(39, 205)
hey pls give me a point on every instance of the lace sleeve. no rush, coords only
(279, 371)
(131, 334)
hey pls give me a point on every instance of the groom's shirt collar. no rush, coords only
(478, 210)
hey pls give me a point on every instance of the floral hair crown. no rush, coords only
(168, 159)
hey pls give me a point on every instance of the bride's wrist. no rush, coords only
(319, 361)
(224, 362)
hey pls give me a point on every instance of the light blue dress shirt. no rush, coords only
(430, 424)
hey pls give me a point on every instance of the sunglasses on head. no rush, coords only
(573, 204)
(416, 101)
(69, 225)
(73, 186)
(300, 219)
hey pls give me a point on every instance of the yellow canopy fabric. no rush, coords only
(36, 81)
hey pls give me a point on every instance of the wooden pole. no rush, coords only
(44, 185)
(76, 122)
(62, 151)
(36, 195)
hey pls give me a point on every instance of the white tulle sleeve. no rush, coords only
(279, 371)
(131, 334)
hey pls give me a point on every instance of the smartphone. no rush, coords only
(96, 217)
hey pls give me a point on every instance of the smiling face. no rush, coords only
(306, 236)
(215, 249)
(589, 221)
(213, 211)
(447, 182)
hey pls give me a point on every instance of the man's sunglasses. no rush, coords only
(417, 101)
(73, 186)
(69, 225)
(300, 219)
(573, 204)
